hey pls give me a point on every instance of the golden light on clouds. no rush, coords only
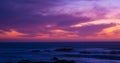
(112, 31)
(98, 22)
(11, 34)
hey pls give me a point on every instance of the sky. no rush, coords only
(59, 20)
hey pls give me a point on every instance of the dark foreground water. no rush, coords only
(21, 45)
(94, 52)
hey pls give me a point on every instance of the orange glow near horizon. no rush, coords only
(11, 34)
(63, 35)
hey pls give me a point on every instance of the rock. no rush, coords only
(115, 52)
(25, 61)
(35, 51)
(64, 61)
(15, 57)
(85, 52)
(42, 62)
(7, 62)
(28, 61)
(64, 49)
(47, 50)
(55, 58)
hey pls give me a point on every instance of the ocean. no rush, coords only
(82, 52)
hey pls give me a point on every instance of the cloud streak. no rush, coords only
(65, 20)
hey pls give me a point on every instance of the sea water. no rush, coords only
(17, 51)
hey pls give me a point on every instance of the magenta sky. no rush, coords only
(59, 20)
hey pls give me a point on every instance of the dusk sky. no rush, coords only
(59, 20)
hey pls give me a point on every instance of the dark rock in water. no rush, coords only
(55, 58)
(7, 62)
(104, 52)
(35, 51)
(25, 61)
(15, 57)
(110, 56)
(115, 52)
(28, 61)
(47, 50)
(85, 52)
(64, 50)
(42, 62)
(64, 61)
